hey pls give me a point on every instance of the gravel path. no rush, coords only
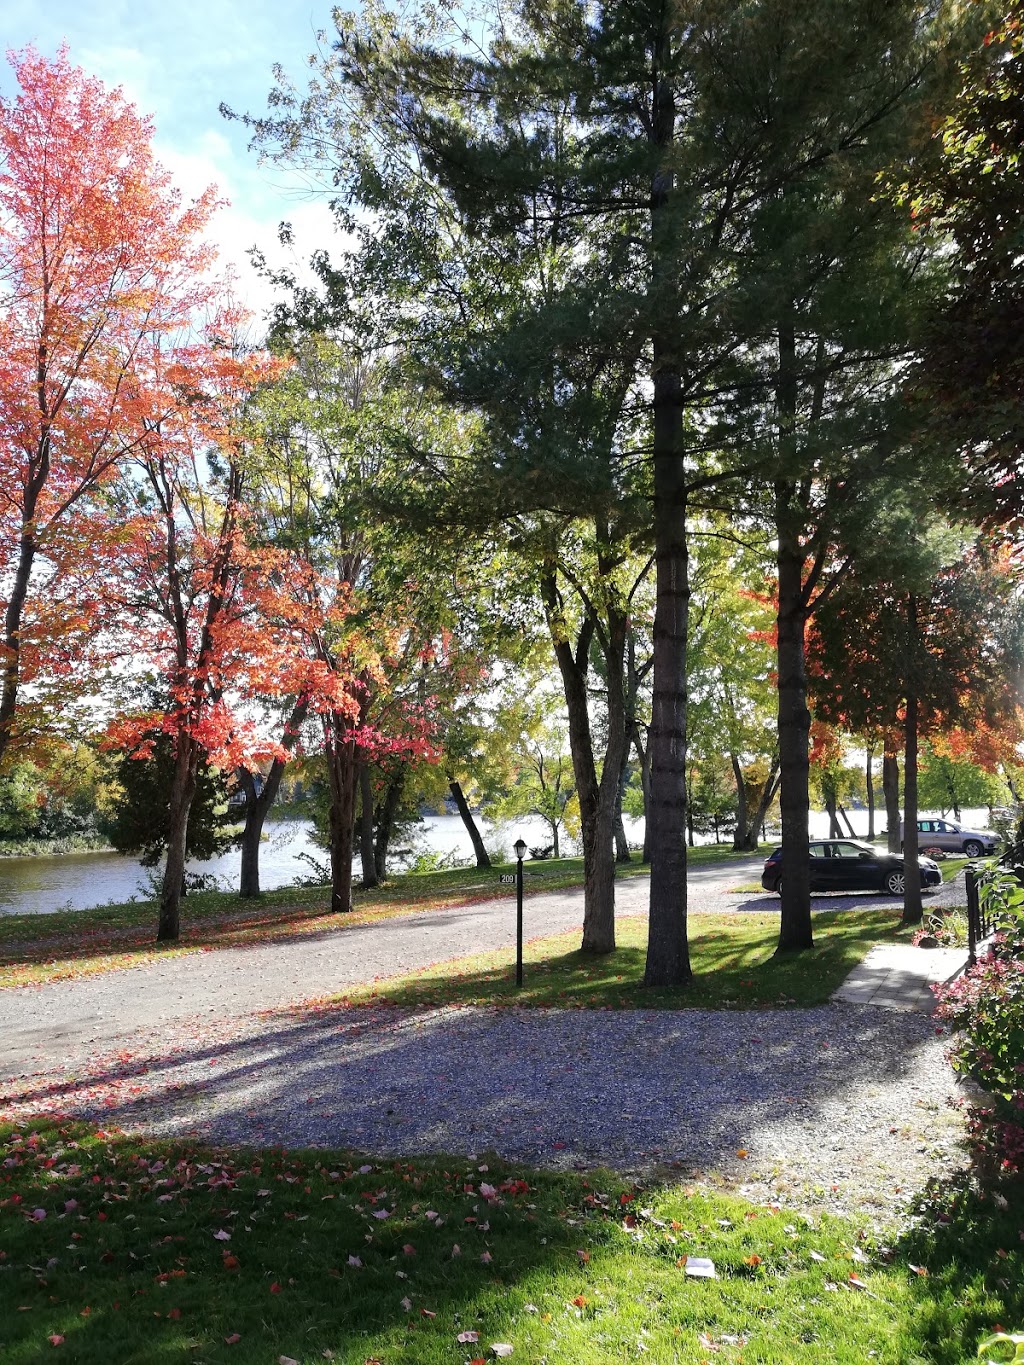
(42, 1026)
(845, 1106)
(838, 1106)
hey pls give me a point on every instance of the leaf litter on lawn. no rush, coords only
(119, 1274)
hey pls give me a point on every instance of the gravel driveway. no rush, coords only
(845, 1106)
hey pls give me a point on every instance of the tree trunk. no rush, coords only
(834, 832)
(621, 841)
(869, 782)
(459, 796)
(596, 797)
(386, 813)
(258, 804)
(12, 628)
(183, 789)
(794, 731)
(739, 839)
(342, 765)
(913, 909)
(891, 792)
(668, 955)
(366, 858)
(846, 820)
(644, 759)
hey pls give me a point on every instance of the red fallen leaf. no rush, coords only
(583, 1255)
(275, 1288)
(55, 1339)
(629, 1221)
(754, 1260)
(232, 1340)
(409, 1249)
(742, 1153)
(581, 1301)
(230, 1262)
(918, 1269)
(427, 1313)
(174, 1313)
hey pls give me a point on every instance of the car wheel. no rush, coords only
(778, 887)
(973, 849)
(896, 883)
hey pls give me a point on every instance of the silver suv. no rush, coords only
(951, 838)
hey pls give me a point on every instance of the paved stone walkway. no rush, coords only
(895, 976)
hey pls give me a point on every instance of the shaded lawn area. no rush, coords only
(135, 1251)
(37, 948)
(731, 955)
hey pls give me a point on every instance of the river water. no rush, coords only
(76, 881)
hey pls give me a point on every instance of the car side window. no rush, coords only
(942, 828)
(817, 850)
(847, 851)
(924, 826)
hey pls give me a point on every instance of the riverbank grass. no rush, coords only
(37, 948)
(121, 1249)
(732, 957)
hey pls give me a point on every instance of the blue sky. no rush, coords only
(177, 60)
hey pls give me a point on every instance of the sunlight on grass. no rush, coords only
(732, 959)
(120, 1249)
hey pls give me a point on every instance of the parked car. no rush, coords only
(953, 838)
(846, 865)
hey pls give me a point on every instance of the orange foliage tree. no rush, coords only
(217, 618)
(100, 263)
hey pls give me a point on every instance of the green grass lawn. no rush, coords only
(35, 948)
(732, 958)
(133, 1252)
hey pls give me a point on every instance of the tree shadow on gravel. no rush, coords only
(629, 1089)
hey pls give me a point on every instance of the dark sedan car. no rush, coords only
(844, 865)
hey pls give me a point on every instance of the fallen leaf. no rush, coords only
(501, 1348)
(465, 1337)
(222, 1236)
(743, 1153)
(230, 1262)
(486, 1257)
(700, 1267)
(583, 1255)
(55, 1339)
(287, 1360)
(275, 1288)
(817, 1256)
(409, 1249)
(919, 1269)
(407, 1304)
(580, 1301)
(232, 1340)
(427, 1313)
(354, 1260)
(754, 1260)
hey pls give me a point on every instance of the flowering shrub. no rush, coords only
(948, 927)
(985, 1010)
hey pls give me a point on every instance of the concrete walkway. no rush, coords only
(895, 976)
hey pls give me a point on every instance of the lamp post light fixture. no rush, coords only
(520, 849)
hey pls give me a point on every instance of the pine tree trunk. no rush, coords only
(459, 796)
(891, 792)
(183, 789)
(668, 954)
(794, 731)
(869, 782)
(366, 858)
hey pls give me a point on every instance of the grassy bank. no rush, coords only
(731, 955)
(118, 1249)
(74, 943)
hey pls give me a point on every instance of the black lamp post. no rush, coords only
(520, 848)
